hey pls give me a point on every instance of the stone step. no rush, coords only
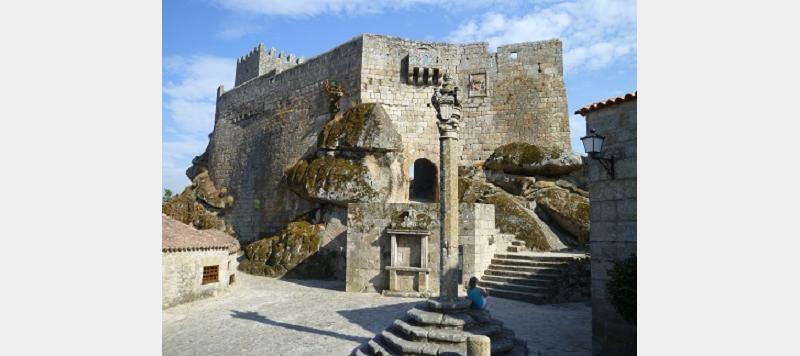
(551, 271)
(535, 298)
(513, 286)
(417, 333)
(404, 346)
(514, 262)
(537, 282)
(378, 348)
(518, 274)
(425, 317)
(552, 257)
(358, 352)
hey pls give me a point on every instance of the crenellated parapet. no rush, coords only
(259, 61)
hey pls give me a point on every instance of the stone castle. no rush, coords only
(299, 137)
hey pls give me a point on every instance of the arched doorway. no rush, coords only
(424, 181)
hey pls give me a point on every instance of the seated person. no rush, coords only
(476, 295)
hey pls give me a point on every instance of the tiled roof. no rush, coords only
(177, 236)
(605, 103)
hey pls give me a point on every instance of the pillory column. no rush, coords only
(448, 110)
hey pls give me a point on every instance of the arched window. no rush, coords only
(424, 181)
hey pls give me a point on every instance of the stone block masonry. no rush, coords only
(274, 114)
(368, 243)
(613, 219)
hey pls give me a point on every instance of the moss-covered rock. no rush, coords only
(569, 210)
(363, 127)
(277, 254)
(333, 180)
(512, 183)
(530, 160)
(200, 205)
(512, 217)
(209, 194)
(199, 164)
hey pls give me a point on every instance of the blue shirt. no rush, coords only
(474, 294)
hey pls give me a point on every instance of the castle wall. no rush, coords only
(529, 97)
(264, 126)
(383, 80)
(504, 99)
(272, 117)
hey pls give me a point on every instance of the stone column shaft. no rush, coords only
(448, 215)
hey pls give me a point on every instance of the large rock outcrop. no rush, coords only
(357, 160)
(277, 254)
(569, 210)
(201, 205)
(364, 128)
(537, 194)
(531, 160)
(339, 180)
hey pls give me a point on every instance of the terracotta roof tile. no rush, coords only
(605, 103)
(177, 236)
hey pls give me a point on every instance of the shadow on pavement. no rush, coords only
(254, 316)
(336, 285)
(376, 319)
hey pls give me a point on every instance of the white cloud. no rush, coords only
(302, 8)
(190, 100)
(595, 33)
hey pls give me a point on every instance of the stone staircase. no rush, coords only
(525, 276)
(431, 328)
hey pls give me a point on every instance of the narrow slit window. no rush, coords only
(210, 274)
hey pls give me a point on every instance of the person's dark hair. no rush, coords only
(473, 282)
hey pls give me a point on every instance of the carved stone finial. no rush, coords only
(448, 109)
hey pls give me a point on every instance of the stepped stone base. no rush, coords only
(440, 328)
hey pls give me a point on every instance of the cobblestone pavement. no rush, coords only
(264, 316)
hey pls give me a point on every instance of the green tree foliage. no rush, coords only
(167, 196)
(621, 287)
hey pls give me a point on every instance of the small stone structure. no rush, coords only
(407, 278)
(613, 217)
(369, 245)
(195, 263)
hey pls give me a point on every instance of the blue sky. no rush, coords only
(203, 38)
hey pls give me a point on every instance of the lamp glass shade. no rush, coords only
(593, 143)
(598, 143)
(588, 144)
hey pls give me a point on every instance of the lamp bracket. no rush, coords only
(606, 162)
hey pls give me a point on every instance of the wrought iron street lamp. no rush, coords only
(593, 145)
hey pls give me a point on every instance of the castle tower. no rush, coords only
(259, 62)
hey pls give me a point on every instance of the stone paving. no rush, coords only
(264, 316)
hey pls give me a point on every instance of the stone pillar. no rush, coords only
(448, 109)
(479, 345)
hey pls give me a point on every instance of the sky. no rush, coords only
(201, 40)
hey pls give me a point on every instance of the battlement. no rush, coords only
(259, 62)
